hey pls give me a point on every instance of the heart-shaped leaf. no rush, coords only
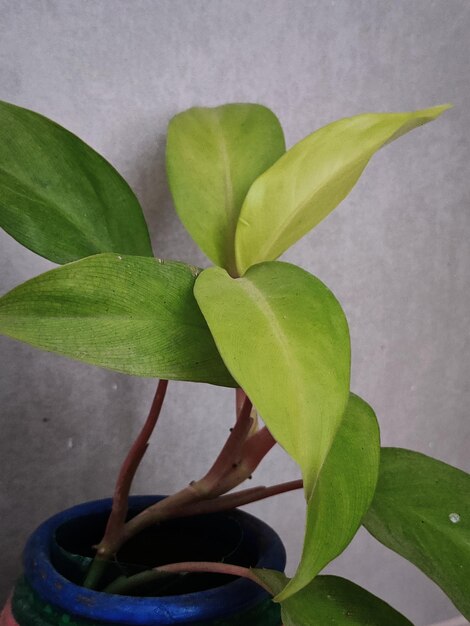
(285, 340)
(330, 600)
(60, 198)
(421, 509)
(213, 156)
(342, 494)
(311, 179)
(136, 315)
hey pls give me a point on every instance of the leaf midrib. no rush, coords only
(262, 303)
(228, 191)
(114, 318)
(48, 203)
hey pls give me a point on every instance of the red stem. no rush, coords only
(253, 452)
(205, 488)
(239, 498)
(229, 456)
(211, 568)
(239, 457)
(257, 447)
(240, 397)
(119, 509)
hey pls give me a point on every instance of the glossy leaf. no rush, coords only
(342, 494)
(311, 179)
(330, 600)
(131, 314)
(421, 510)
(285, 340)
(213, 156)
(60, 198)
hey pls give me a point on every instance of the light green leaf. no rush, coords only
(331, 601)
(213, 156)
(136, 315)
(421, 509)
(311, 179)
(342, 494)
(285, 340)
(60, 198)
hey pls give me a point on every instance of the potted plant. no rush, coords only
(268, 329)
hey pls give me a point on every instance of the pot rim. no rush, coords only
(231, 598)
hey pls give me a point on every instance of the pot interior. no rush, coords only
(216, 537)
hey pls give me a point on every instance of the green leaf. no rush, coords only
(330, 600)
(132, 314)
(213, 156)
(58, 197)
(342, 494)
(311, 179)
(421, 509)
(285, 340)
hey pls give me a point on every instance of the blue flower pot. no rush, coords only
(54, 563)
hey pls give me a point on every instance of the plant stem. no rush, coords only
(240, 397)
(202, 507)
(206, 488)
(189, 567)
(239, 498)
(124, 584)
(240, 455)
(126, 475)
(210, 568)
(253, 452)
(119, 509)
(230, 455)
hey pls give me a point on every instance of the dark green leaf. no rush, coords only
(421, 509)
(342, 494)
(331, 601)
(213, 156)
(132, 314)
(284, 338)
(60, 198)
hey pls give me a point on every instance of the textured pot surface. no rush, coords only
(48, 593)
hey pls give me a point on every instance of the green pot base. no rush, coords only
(29, 610)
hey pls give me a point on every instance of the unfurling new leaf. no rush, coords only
(213, 156)
(311, 179)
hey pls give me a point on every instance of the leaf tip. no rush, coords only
(434, 112)
(440, 108)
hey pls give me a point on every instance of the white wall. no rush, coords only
(396, 252)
